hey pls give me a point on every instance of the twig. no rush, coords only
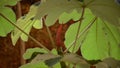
(78, 28)
(50, 34)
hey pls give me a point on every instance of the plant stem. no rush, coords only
(50, 34)
(22, 44)
(18, 8)
(83, 11)
(26, 34)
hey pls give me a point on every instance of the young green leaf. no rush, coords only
(26, 23)
(54, 8)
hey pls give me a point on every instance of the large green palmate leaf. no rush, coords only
(102, 40)
(54, 8)
(6, 27)
(26, 23)
(108, 10)
(99, 41)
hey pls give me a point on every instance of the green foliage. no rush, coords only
(6, 27)
(65, 17)
(97, 38)
(107, 10)
(34, 65)
(100, 41)
(103, 36)
(26, 23)
(54, 8)
(28, 54)
(42, 59)
(72, 31)
(4, 3)
(50, 60)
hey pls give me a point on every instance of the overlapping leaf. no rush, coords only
(4, 3)
(72, 31)
(65, 17)
(107, 10)
(26, 23)
(54, 8)
(40, 56)
(28, 54)
(6, 27)
(101, 40)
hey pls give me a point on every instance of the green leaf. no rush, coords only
(65, 17)
(44, 57)
(34, 65)
(24, 26)
(97, 40)
(39, 65)
(6, 27)
(102, 41)
(37, 24)
(107, 10)
(38, 56)
(26, 23)
(54, 8)
(49, 59)
(70, 35)
(8, 2)
(28, 54)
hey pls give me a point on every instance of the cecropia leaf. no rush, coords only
(108, 10)
(102, 41)
(54, 8)
(97, 41)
